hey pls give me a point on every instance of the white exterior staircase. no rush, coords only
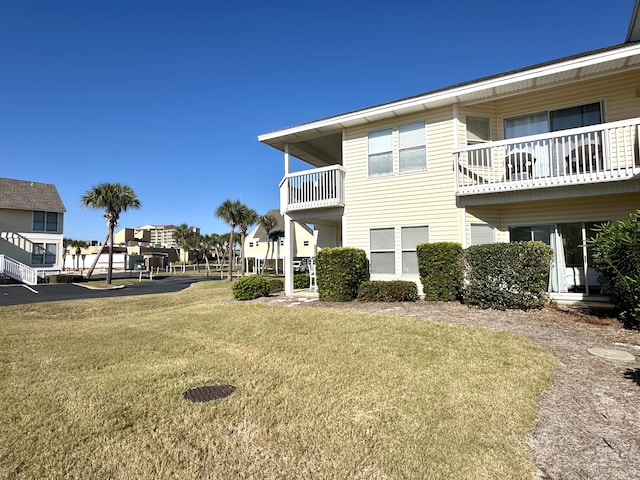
(18, 271)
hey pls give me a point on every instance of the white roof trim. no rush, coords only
(457, 94)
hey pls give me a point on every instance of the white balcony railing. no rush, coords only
(317, 188)
(599, 153)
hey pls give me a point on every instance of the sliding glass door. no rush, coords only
(570, 270)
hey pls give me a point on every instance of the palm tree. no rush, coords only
(114, 198)
(268, 222)
(230, 211)
(183, 235)
(78, 245)
(248, 217)
(206, 243)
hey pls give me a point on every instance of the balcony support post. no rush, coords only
(287, 160)
(289, 254)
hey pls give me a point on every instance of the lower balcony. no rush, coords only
(599, 153)
(312, 189)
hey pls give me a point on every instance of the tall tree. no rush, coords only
(230, 211)
(114, 198)
(183, 234)
(248, 217)
(268, 222)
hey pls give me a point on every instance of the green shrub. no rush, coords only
(248, 288)
(615, 253)
(388, 291)
(441, 270)
(340, 271)
(301, 280)
(275, 285)
(507, 275)
(64, 278)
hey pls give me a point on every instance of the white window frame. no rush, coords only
(381, 248)
(398, 145)
(412, 137)
(379, 145)
(410, 247)
(491, 226)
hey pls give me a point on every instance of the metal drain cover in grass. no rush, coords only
(206, 393)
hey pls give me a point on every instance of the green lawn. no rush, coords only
(93, 390)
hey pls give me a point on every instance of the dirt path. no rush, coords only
(588, 424)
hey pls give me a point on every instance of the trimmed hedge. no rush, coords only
(248, 288)
(65, 278)
(441, 270)
(616, 256)
(507, 275)
(275, 285)
(301, 280)
(388, 291)
(340, 271)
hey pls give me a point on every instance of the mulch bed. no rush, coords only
(588, 424)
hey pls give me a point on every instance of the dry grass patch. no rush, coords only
(93, 389)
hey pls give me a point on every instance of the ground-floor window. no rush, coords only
(571, 269)
(482, 233)
(43, 254)
(382, 250)
(411, 237)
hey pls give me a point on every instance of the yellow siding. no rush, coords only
(617, 91)
(400, 200)
(279, 251)
(569, 210)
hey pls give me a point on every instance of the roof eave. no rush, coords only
(461, 93)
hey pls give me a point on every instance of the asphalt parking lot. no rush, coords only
(25, 294)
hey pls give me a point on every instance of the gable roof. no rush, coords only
(26, 195)
(633, 34)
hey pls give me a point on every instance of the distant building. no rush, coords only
(132, 235)
(269, 251)
(31, 227)
(162, 235)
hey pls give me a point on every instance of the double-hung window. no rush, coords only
(410, 153)
(413, 149)
(43, 254)
(45, 221)
(411, 238)
(482, 233)
(380, 150)
(383, 253)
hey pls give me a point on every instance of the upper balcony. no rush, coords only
(600, 153)
(312, 189)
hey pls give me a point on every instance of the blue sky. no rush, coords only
(170, 96)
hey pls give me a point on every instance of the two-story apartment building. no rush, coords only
(31, 229)
(545, 152)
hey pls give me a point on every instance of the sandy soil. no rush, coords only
(588, 424)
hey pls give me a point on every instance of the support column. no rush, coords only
(290, 251)
(287, 160)
(463, 221)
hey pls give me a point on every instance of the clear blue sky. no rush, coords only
(170, 96)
